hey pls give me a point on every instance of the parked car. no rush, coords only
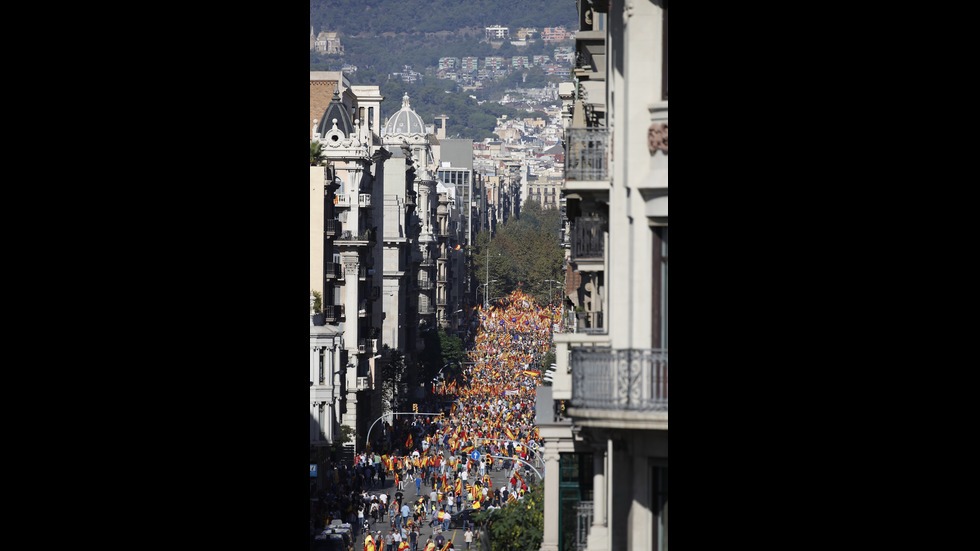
(329, 542)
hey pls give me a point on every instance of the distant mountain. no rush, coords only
(374, 17)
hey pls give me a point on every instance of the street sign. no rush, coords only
(312, 470)
(475, 455)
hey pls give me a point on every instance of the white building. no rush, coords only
(609, 442)
(326, 343)
(497, 32)
(349, 242)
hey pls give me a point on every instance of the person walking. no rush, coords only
(468, 538)
(413, 538)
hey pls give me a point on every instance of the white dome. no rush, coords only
(404, 121)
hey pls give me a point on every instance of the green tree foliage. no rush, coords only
(525, 253)
(517, 525)
(440, 349)
(467, 117)
(380, 16)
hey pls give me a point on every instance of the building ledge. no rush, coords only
(604, 418)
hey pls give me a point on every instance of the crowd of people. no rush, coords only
(489, 409)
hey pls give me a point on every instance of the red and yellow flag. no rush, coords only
(507, 431)
(408, 443)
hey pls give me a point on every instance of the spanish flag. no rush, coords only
(507, 431)
(532, 373)
(408, 443)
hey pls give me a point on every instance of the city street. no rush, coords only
(499, 479)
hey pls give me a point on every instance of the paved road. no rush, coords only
(499, 479)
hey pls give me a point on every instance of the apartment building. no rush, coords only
(345, 249)
(554, 34)
(497, 32)
(605, 418)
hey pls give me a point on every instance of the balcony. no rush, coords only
(621, 380)
(333, 312)
(589, 323)
(349, 238)
(588, 238)
(332, 270)
(586, 157)
(333, 228)
(364, 200)
(426, 310)
(426, 285)
(341, 200)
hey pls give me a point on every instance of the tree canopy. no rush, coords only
(524, 254)
(517, 525)
(379, 16)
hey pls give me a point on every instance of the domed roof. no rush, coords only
(336, 110)
(404, 121)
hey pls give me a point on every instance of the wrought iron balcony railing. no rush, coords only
(588, 238)
(619, 379)
(586, 157)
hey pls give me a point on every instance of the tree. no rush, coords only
(440, 349)
(517, 525)
(316, 156)
(526, 252)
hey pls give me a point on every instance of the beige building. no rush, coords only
(328, 43)
(604, 420)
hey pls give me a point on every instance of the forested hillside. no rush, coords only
(381, 37)
(374, 17)
(467, 118)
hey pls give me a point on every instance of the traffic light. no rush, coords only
(415, 408)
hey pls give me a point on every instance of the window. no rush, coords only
(660, 291)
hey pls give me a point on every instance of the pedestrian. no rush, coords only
(418, 484)
(468, 538)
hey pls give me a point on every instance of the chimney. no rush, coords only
(441, 132)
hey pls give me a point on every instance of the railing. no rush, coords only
(333, 228)
(331, 270)
(426, 310)
(583, 520)
(589, 322)
(585, 154)
(621, 379)
(333, 312)
(426, 284)
(364, 200)
(588, 237)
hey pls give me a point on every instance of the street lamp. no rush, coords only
(486, 291)
(550, 293)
